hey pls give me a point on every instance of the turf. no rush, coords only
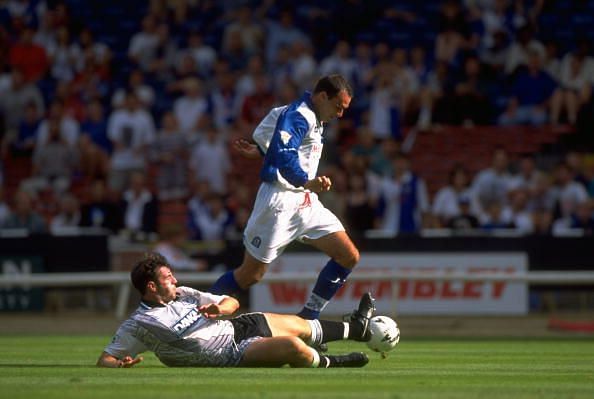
(63, 367)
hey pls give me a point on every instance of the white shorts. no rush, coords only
(281, 216)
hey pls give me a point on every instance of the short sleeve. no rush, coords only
(202, 297)
(124, 343)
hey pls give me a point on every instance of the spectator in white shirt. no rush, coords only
(491, 185)
(143, 44)
(210, 162)
(576, 81)
(131, 130)
(570, 192)
(69, 217)
(447, 200)
(191, 110)
(69, 127)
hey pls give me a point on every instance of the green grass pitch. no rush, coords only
(63, 367)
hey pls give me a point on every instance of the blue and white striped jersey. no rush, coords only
(291, 138)
(177, 333)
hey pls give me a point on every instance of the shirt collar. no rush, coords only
(306, 98)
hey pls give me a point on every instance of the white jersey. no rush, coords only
(178, 333)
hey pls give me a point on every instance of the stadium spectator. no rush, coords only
(95, 126)
(472, 105)
(141, 50)
(575, 84)
(54, 164)
(144, 92)
(340, 62)
(384, 108)
(23, 216)
(4, 208)
(131, 130)
(518, 212)
(68, 218)
(139, 207)
(24, 143)
(581, 220)
(91, 49)
(250, 31)
(69, 127)
(446, 204)
(171, 246)
(211, 221)
(100, 211)
(522, 50)
(165, 53)
(404, 203)
(28, 57)
(360, 205)
(203, 55)
(64, 56)
(169, 153)
(492, 184)
(257, 103)
(531, 94)
(234, 52)
(570, 192)
(528, 174)
(192, 109)
(15, 98)
(209, 160)
(493, 218)
(282, 33)
(464, 220)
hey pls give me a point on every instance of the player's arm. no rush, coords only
(227, 306)
(107, 360)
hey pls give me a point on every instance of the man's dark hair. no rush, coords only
(332, 85)
(146, 270)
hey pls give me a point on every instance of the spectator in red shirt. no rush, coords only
(28, 57)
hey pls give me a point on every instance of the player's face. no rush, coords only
(166, 284)
(335, 107)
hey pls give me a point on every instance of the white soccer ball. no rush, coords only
(385, 334)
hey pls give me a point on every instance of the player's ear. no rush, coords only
(151, 286)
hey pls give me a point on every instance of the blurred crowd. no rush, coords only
(116, 118)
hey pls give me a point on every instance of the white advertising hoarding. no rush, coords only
(407, 296)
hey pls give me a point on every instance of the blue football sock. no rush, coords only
(330, 279)
(226, 285)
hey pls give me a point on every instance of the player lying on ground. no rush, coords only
(182, 327)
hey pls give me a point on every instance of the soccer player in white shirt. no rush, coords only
(182, 326)
(287, 207)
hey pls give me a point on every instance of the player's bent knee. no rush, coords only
(296, 352)
(349, 259)
(248, 275)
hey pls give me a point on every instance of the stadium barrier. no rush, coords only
(122, 280)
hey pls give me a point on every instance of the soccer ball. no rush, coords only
(385, 334)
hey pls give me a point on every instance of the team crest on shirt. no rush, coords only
(256, 242)
(285, 137)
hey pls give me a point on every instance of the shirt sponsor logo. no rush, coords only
(186, 322)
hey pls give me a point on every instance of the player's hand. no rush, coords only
(210, 311)
(128, 361)
(319, 184)
(246, 149)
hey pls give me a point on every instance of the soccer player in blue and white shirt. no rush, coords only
(287, 207)
(182, 326)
